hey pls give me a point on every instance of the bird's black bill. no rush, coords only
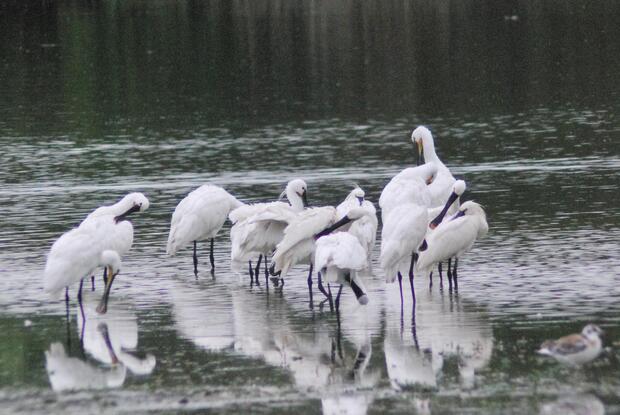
(424, 246)
(102, 308)
(443, 212)
(134, 208)
(356, 289)
(361, 200)
(305, 199)
(332, 228)
(458, 215)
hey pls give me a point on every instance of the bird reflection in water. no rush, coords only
(442, 328)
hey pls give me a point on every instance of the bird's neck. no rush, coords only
(295, 200)
(429, 151)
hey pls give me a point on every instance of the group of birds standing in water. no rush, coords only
(424, 225)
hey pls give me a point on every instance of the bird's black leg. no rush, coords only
(79, 296)
(400, 285)
(430, 280)
(450, 272)
(195, 261)
(310, 281)
(211, 257)
(456, 264)
(411, 277)
(92, 282)
(105, 275)
(337, 302)
(320, 285)
(266, 269)
(251, 269)
(257, 270)
(68, 322)
(440, 276)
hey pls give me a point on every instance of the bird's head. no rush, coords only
(296, 190)
(357, 193)
(591, 331)
(421, 136)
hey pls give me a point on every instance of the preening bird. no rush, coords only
(133, 202)
(454, 237)
(440, 214)
(575, 349)
(365, 228)
(77, 253)
(404, 228)
(300, 235)
(259, 227)
(442, 183)
(199, 216)
(130, 203)
(339, 257)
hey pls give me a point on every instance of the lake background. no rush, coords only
(101, 98)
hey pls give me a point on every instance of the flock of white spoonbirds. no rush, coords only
(424, 225)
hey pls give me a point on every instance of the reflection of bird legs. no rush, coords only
(337, 302)
(103, 329)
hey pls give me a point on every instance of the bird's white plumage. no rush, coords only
(200, 215)
(403, 231)
(78, 252)
(458, 188)
(407, 186)
(365, 228)
(442, 183)
(298, 243)
(454, 237)
(339, 251)
(70, 373)
(259, 227)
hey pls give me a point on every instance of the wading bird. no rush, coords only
(365, 228)
(259, 227)
(122, 242)
(77, 253)
(199, 216)
(339, 257)
(575, 349)
(298, 245)
(454, 237)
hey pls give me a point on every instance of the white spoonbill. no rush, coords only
(259, 227)
(339, 257)
(365, 228)
(199, 216)
(301, 234)
(404, 228)
(77, 253)
(133, 202)
(440, 214)
(443, 181)
(454, 237)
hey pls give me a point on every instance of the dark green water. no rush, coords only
(101, 98)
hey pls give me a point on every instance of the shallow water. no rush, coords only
(248, 95)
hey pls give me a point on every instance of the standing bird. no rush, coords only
(300, 235)
(133, 202)
(575, 349)
(404, 228)
(439, 215)
(339, 257)
(454, 237)
(365, 228)
(443, 181)
(259, 227)
(77, 253)
(199, 216)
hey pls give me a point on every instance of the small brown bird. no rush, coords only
(575, 349)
